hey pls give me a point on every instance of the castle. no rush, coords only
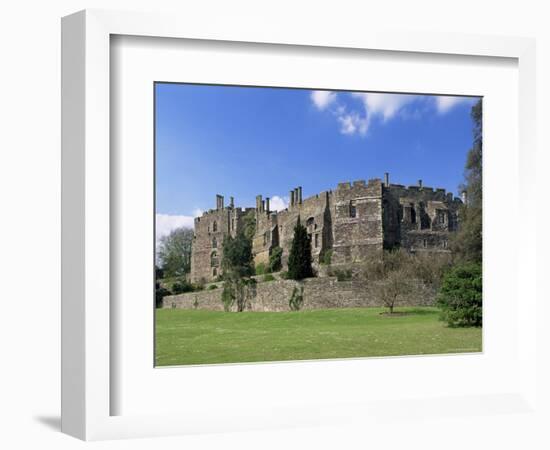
(351, 222)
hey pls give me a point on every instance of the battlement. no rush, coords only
(347, 185)
(419, 190)
(344, 185)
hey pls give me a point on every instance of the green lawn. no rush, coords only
(208, 337)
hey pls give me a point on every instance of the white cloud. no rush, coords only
(322, 99)
(353, 123)
(278, 203)
(383, 105)
(356, 118)
(444, 104)
(165, 223)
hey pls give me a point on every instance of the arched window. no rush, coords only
(215, 226)
(310, 223)
(413, 214)
(214, 259)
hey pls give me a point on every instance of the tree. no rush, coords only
(299, 259)
(237, 256)
(238, 267)
(275, 263)
(174, 252)
(394, 288)
(249, 224)
(467, 244)
(460, 296)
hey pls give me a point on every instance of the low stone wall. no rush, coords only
(319, 293)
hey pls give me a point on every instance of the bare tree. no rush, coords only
(394, 289)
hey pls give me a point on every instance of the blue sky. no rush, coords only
(245, 141)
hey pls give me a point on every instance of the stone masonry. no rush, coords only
(318, 293)
(351, 222)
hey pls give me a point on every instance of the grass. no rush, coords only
(209, 337)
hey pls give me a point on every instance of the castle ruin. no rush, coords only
(353, 221)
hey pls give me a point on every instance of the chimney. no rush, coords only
(263, 205)
(387, 179)
(231, 202)
(296, 198)
(258, 203)
(267, 205)
(420, 184)
(219, 201)
(291, 198)
(300, 195)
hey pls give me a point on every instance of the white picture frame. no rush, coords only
(87, 323)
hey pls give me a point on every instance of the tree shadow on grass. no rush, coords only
(423, 312)
(410, 312)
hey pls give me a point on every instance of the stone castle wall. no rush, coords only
(351, 222)
(319, 293)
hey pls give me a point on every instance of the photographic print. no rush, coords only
(301, 224)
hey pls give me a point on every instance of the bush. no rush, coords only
(430, 269)
(268, 277)
(160, 293)
(180, 287)
(275, 263)
(212, 287)
(460, 296)
(297, 299)
(260, 269)
(343, 274)
(284, 275)
(326, 258)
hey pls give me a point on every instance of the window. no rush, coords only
(425, 243)
(215, 226)
(413, 214)
(214, 259)
(352, 209)
(310, 222)
(316, 240)
(445, 244)
(214, 243)
(440, 216)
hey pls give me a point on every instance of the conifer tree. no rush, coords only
(299, 259)
(467, 244)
